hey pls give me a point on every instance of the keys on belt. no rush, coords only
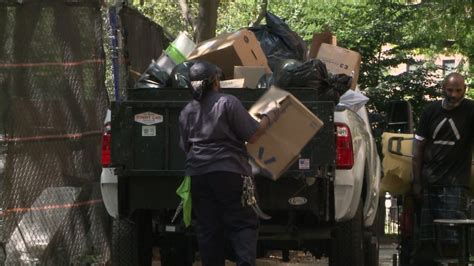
(249, 199)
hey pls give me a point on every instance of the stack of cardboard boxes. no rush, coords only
(238, 54)
(243, 63)
(338, 60)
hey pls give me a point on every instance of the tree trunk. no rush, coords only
(207, 20)
(187, 16)
(261, 14)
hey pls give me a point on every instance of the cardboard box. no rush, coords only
(340, 60)
(281, 144)
(232, 83)
(318, 39)
(251, 74)
(240, 48)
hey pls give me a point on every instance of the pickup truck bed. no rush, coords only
(150, 168)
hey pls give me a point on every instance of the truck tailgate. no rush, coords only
(146, 153)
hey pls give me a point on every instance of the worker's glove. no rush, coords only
(272, 114)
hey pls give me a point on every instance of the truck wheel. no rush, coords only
(347, 245)
(131, 240)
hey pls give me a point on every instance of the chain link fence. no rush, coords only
(53, 101)
(53, 106)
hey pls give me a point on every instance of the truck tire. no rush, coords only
(131, 240)
(347, 245)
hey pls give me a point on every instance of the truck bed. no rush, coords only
(150, 168)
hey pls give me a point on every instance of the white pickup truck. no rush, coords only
(356, 189)
(328, 209)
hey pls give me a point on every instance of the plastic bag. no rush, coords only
(153, 77)
(266, 81)
(313, 74)
(353, 100)
(180, 75)
(184, 192)
(340, 82)
(292, 73)
(278, 41)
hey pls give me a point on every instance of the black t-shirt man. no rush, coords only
(448, 135)
(441, 169)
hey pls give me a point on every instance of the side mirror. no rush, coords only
(399, 117)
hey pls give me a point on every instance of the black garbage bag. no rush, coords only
(278, 41)
(338, 85)
(293, 73)
(313, 74)
(180, 75)
(154, 77)
(266, 81)
(340, 82)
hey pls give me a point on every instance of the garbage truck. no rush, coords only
(326, 203)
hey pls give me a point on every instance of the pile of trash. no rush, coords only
(260, 57)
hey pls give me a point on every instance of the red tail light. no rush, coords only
(106, 147)
(344, 152)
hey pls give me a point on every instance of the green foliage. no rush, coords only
(470, 94)
(166, 13)
(234, 15)
(417, 87)
(438, 24)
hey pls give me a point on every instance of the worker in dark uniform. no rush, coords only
(214, 128)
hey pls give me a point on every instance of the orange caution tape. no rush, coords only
(47, 137)
(51, 207)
